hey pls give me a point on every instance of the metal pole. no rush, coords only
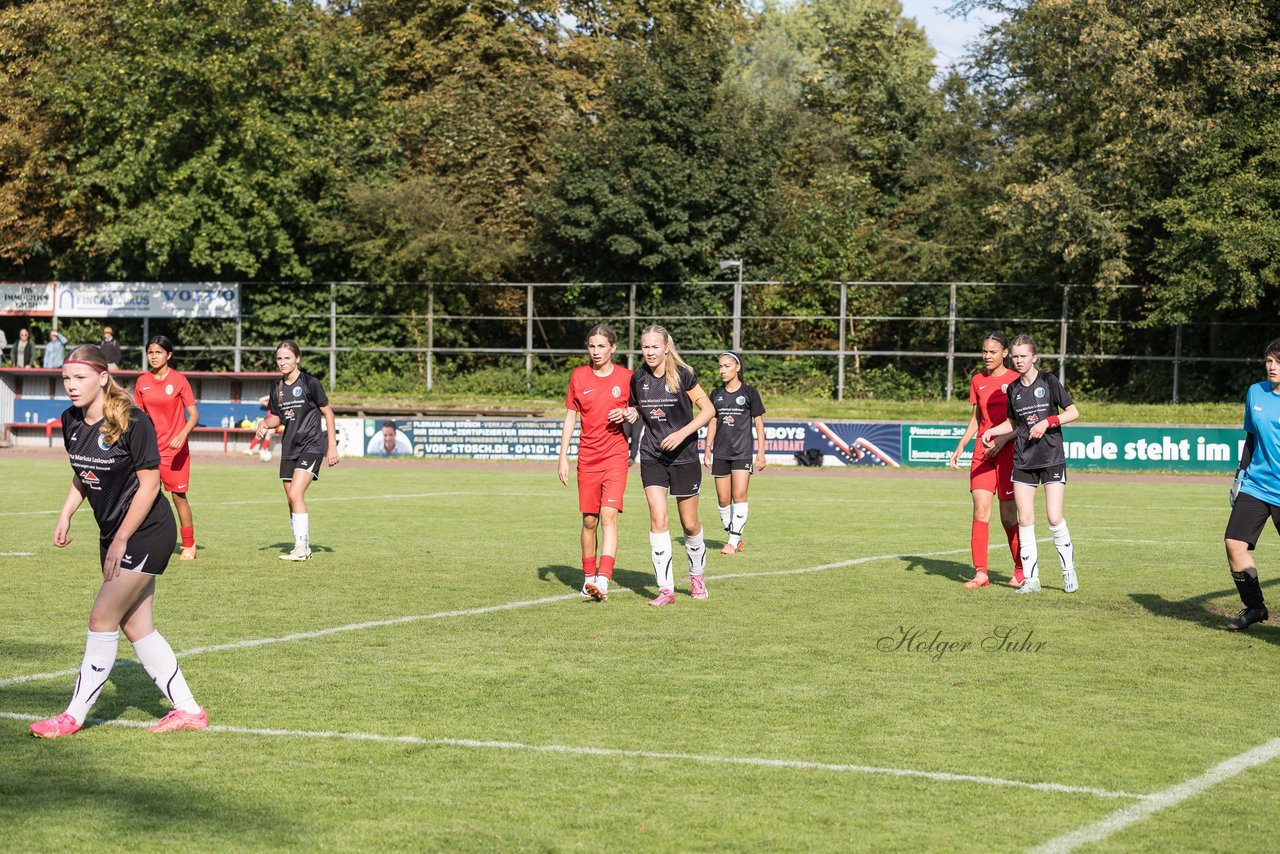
(631, 329)
(1177, 355)
(951, 342)
(844, 305)
(431, 330)
(737, 311)
(239, 334)
(333, 334)
(146, 336)
(528, 337)
(1062, 336)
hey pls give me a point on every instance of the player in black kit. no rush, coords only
(1038, 407)
(298, 401)
(664, 392)
(115, 464)
(738, 410)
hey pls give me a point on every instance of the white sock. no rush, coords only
(1030, 553)
(660, 549)
(99, 658)
(696, 548)
(162, 666)
(1062, 542)
(300, 523)
(739, 522)
(726, 514)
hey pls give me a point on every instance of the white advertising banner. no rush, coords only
(30, 299)
(143, 299)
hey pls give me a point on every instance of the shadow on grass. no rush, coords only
(288, 547)
(1196, 610)
(571, 577)
(83, 790)
(133, 689)
(953, 570)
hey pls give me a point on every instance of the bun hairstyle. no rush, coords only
(117, 406)
(736, 358)
(673, 362)
(1003, 340)
(292, 346)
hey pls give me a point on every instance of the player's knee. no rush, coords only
(1237, 549)
(590, 521)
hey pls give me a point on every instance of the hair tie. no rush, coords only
(733, 356)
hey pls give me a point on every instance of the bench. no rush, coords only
(50, 427)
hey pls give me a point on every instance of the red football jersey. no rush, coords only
(601, 443)
(991, 395)
(165, 402)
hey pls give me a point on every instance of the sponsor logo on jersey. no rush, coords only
(728, 421)
(741, 400)
(146, 388)
(1040, 391)
(617, 391)
(587, 391)
(102, 442)
(297, 391)
(658, 413)
(168, 389)
(91, 480)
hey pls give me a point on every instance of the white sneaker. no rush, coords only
(1031, 585)
(298, 553)
(1069, 582)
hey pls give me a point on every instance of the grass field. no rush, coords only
(431, 680)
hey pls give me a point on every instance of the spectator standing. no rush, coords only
(23, 351)
(56, 350)
(4, 344)
(110, 349)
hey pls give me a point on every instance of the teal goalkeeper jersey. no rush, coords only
(1262, 419)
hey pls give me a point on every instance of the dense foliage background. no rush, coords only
(1085, 142)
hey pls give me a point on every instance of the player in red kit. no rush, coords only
(599, 393)
(991, 471)
(165, 395)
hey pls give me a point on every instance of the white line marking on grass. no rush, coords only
(754, 761)
(17, 554)
(465, 612)
(319, 633)
(1152, 804)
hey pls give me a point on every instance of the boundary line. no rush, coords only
(571, 750)
(1152, 804)
(468, 612)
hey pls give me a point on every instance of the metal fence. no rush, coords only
(930, 330)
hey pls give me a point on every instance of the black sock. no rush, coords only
(1250, 589)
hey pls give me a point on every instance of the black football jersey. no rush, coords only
(1029, 405)
(298, 406)
(108, 473)
(664, 412)
(735, 412)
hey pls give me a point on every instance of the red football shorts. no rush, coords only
(602, 488)
(995, 476)
(175, 469)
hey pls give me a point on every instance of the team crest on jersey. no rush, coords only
(740, 400)
(297, 391)
(90, 480)
(617, 391)
(1004, 388)
(103, 443)
(168, 389)
(1039, 392)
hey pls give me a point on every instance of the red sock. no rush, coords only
(589, 566)
(188, 536)
(1011, 531)
(978, 544)
(606, 566)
